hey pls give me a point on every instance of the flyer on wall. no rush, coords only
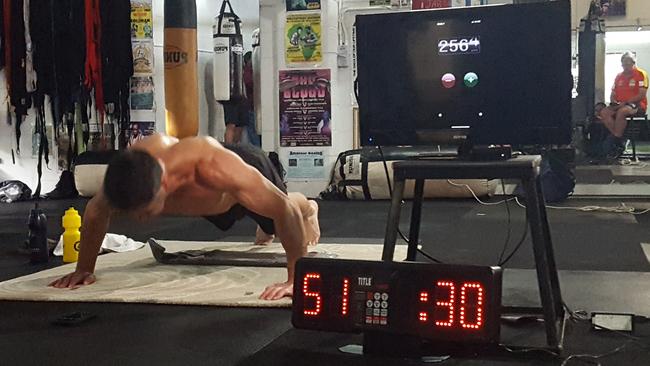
(302, 165)
(139, 130)
(430, 4)
(142, 92)
(305, 108)
(459, 3)
(142, 56)
(302, 40)
(141, 20)
(296, 5)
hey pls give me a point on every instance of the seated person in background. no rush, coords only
(197, 176)
(628, 98)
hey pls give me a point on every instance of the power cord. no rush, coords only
(583, 316)
(476, 197)
(508, 232)
(501, 261)
(623, 208)
(517, 247)
(390, 191)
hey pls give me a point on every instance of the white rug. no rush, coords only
(136, 277)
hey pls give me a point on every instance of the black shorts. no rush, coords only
(236, 112)
(260, 161)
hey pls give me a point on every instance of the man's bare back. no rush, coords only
(181, 158)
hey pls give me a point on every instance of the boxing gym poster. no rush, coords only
(613, 8)
(296, 5)
(142, 93)
(302, 39)
(305, 108)
(142, 56)
(139, 130)
(301, 165)
(430, 4)
(141, 20)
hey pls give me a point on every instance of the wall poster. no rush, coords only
(293, 5)
(305, 108)
(305, 165)
(302, 40)
(138, 130)
(141, 20)
(430, 4)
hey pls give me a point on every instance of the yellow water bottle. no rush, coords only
(71, 235)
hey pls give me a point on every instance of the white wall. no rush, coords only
(271, 18)
(24, 168)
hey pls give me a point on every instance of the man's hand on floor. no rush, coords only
(74, 280)
(277, 291)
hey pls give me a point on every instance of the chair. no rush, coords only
(635, 125)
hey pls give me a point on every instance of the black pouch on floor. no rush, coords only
(558, 181)
(594, 137)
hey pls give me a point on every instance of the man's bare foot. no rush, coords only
(262, 238)
(312, 228)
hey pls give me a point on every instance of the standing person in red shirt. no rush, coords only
(628, 98)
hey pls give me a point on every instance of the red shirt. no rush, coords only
(627, 87)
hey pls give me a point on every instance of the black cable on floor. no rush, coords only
(521, 241)
(390, 191)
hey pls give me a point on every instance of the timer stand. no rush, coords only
(524, 168)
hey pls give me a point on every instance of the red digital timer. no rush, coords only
(455, 303)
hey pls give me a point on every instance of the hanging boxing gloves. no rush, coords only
(228, 55)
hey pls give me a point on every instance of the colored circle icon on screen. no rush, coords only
(448, 80)
(470, 79)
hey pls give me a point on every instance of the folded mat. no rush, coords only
(219, 257)
(136, 277)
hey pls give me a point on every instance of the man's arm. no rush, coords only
(228, 172)
(95, 223)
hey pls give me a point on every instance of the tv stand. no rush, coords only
(525, 168)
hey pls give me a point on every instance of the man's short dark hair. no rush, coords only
(132, 179)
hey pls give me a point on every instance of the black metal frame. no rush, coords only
(635, 124)
(525, 168)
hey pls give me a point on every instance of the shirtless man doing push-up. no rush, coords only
(198, 177)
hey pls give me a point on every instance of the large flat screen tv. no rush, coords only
(500, 74)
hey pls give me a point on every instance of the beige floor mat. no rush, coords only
(136, 277)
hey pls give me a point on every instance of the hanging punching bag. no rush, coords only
(181, 84)
(228, 55)
(257, 80)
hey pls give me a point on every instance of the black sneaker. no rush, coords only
(65, 188)
(613, 147)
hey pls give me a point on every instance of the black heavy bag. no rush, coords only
(228, 55)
